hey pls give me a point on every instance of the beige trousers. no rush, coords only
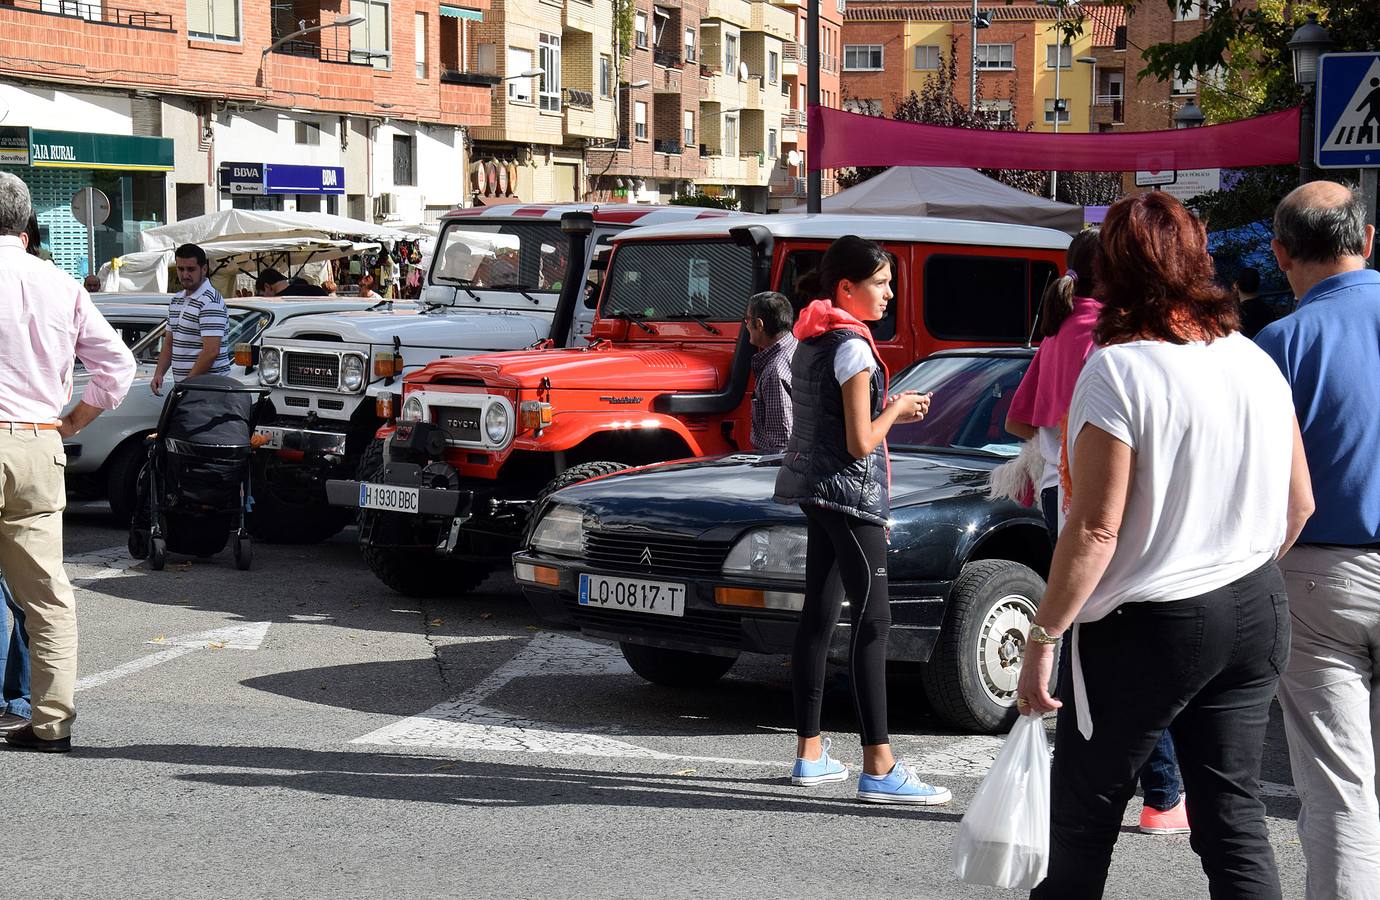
(32, 498)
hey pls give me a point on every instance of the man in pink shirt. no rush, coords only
(46, 319)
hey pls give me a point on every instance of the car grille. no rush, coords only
(312, 370)
(461, 423)
(720, 628)
(638, 553)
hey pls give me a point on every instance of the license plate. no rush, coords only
(271, 440)
(633, 594)
(389, 497)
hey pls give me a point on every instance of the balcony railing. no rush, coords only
(794, 120)
(793, 52)
(477, 79)
(96, 13)
(668, 58)
(788, 187)
(660, 146)
(578, 99)
(340, 55)
(1113, 104)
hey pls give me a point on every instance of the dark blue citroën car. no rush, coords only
(689, 564)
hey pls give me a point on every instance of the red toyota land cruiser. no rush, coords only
(665, 375)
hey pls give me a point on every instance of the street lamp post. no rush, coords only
(980, 21)
(1309, 42)
(302, 29)
(1059, 104)
(1092, 90)
(814, 189)
(1189, 115)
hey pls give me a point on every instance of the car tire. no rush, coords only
(675, 668)
(278, 518)
(971, 677)
(578, 473)
(122, 480)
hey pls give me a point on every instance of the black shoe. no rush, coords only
(10, 721)
(23, 738)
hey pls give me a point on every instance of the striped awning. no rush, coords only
(459, 12)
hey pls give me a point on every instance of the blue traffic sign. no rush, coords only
(1348, 132)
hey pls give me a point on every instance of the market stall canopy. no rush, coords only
(950, 194)
(248, 224)
(147, 270)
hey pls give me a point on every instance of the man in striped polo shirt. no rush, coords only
(194, 341)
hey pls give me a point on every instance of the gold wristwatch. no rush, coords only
(1038, 635)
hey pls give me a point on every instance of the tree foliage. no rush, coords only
(706, 201)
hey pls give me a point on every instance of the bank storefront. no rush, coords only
(267, 186)
(56, 165)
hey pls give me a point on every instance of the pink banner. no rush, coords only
(840, 139)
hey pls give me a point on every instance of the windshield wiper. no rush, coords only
(635, 318)
(515, 288)
(462, 283)
(697, 319)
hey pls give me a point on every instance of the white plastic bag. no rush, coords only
(1003, 839)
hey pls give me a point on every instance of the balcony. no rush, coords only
(95, 13)
(1109, 109)
(474, 79)
(738, 12)
(340, 55)
(723, 88)
(787, 187)
(580, 15)
(773, 20)
(668, 58)
(666, 81)
(671, 147)
(792, 56)
(726, 169)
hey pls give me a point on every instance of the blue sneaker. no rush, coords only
(810, 772)
(900, 785)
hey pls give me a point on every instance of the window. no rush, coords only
(403, 169)
(519, 89)
(773, 66)
(419, 27)
(1010, 288)
(605, 76)
(212, 20)
(369, 39)
(771, 143)
(661, 279)
(927, 56)
(689, 45)
(659, 20)
(863, 107)
(996, 56)
(730, 147)
(486, 58)
(799, 262)
(1061, 104)
(1063, 52)
(639, 29)
(997, 111)
(525, 256)
(688, 122)
(731, 53)
(862, 57)
(308, 133)
(1184, 85)
(639, 120)
(549, 61)
(1187, 10)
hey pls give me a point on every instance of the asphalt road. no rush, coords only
(301, 731)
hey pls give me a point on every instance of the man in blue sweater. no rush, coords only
(1329, 350)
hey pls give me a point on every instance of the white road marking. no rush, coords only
(465, 723)
(241, 636)
(112, 562)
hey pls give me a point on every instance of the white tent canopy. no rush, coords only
(147, 270)
(247, 224)
(952, 194)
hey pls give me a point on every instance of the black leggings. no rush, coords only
(844, 556)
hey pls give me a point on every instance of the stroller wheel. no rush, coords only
(244, 552)
(139, 543)
(158, 554)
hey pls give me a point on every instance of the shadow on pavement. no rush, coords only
(430, 779)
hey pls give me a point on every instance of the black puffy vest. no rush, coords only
(817, 469)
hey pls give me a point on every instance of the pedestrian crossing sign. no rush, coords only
(1348, 112)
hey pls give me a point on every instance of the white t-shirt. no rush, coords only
(853, 357)
(1047, 437)
(1212, 427)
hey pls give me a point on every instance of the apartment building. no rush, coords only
(358, 107)
(788, 183)
(1027, 72)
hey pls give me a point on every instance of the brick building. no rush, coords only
(788, 182)
(177, 109)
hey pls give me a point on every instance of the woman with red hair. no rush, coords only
(1185, 481)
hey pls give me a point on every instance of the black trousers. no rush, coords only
(1206, 669)
(844, 557)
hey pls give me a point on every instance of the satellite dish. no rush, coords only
(742, 71)
(793, 157)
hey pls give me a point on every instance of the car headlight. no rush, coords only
(777, 552)
(496, 423)
(561, 532)
(411, 410)
(270, 365)
(352, 372)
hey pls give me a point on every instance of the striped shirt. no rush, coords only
(192, 317)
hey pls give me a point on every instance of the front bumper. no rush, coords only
(431, 501)
(708, 627)
(311, 441)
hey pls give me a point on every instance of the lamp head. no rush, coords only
(1309, 42)
(349, 21)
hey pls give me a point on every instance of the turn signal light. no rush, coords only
(535, 415)
(725, 596)
(536, 574)
(383, 405)
(244, 355)
(386, 365)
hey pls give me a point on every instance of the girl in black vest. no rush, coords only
(836, 468)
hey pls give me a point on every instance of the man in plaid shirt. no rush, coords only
(769, 319)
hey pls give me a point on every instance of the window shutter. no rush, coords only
(225, 19)
(199, 16)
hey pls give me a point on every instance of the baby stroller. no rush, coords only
(193, 493)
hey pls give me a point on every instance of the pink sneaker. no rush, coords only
(1171, 821)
